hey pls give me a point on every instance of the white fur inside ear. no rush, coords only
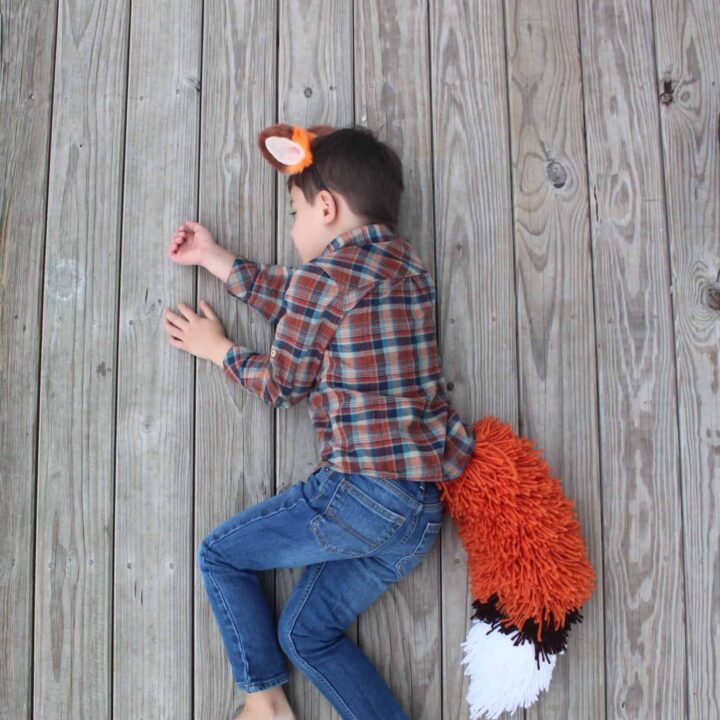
(284, 150)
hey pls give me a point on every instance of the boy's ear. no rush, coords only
(287, 147)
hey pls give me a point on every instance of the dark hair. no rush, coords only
(354, 163)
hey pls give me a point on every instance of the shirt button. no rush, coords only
(272, 353)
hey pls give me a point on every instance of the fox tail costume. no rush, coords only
(527, 563)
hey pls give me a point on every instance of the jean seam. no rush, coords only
(264, 684)
(414, 553)
(377, 507)
(321, 489)
(328, 512)
(413, 524)
(208, 572)
(401, 494)
(252, 520)
(333, 549)
(288, 639)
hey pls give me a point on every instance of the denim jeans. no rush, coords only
(356, 535)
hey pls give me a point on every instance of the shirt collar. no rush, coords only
(372, 232)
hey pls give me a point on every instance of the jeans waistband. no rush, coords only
(422, 491)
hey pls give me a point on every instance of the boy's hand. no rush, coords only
(203, 337)
(191, 243)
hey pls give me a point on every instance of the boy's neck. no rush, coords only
(330, 234)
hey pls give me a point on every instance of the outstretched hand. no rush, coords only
(191, 244)
(203, 337)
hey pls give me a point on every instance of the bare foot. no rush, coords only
(270, 704)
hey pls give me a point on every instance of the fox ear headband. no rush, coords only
(528, 567)
(288, 148)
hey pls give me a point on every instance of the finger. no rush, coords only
(191, 225)
(209, 312)
(175, 319)
(186, 310)
(173, 332)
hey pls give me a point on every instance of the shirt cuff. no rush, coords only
(232, 359)
(241, 277)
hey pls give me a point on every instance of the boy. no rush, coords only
(355, 335)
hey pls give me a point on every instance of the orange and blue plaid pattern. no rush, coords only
(355, 334)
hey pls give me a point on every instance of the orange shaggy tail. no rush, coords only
(527, 561)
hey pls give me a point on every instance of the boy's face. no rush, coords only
(316, 225)
(308, 229)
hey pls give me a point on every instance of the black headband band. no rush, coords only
(318, 179)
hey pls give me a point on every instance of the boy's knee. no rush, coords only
(202, 552)
(287, 631)
(297, 636)
(284, 628)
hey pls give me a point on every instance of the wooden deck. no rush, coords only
(562, 167)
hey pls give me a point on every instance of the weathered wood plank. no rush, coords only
(556, 349)
(73, 618)
(643, 572)
(315, 85)
(154, 553)
(27, 44)
(234, 435)
(474, 272)
(687, 36)
(392, 96)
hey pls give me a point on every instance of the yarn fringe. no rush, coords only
(503, 676)
(553, 641)
(526, 556)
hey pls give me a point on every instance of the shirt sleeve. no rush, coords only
(313, 311)
(260, 285)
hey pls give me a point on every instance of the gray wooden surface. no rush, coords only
(562, 171)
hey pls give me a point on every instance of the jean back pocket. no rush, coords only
(422, 548)
(353, 523)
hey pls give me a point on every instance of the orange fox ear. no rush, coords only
(287, 147)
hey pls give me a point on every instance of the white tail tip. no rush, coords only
(503, 676)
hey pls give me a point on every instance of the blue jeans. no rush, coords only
(357, 535)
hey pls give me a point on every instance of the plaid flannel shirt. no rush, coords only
(355, 334)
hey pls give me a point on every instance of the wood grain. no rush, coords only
(234, 463)
(641, 503)
(154, 554)
(27, 47)
(687, 39)
(558, 389)
(562, 171)
(474, 272)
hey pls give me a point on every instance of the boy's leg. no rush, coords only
(311, 630)
(273, 533)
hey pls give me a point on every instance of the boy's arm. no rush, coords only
(313, 310)
(260, 285)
